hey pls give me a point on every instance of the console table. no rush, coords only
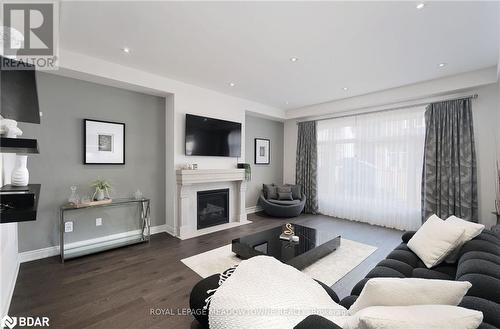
(142, 236)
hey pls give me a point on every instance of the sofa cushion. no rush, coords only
(407, 236)
(316, 322)
(481, 245)
(296, 191)
(491, 315)
(483, 286)
(284, 189)
(269, 191)
(409, 291)
(384, 272)
(425, 273)
(198, 296)
(480, 255)
(471, 230)
(478, 266)
(284, 202)
(489, 236)
(415, 317)
(397, 265)
(435, 240)
(348, 301)
(407, 257)
(285, 196)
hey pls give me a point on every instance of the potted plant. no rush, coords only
(101, 186)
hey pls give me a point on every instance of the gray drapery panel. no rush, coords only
(449, 176)
(306, 164)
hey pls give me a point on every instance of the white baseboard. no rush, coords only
(169, 229)
(254, 209)
(28, 256)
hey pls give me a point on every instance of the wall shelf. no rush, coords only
(19, 203)
(18, 145)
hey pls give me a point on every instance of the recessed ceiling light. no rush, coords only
(345, 89)
(287, 102)
(126, 50)
(293, 59)
(232, 84)
(442, 64)
(421, 5)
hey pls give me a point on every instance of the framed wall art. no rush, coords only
(104, 142)
(262, 151)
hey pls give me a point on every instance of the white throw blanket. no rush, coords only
(264, 293)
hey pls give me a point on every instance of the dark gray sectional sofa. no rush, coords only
(479, 263)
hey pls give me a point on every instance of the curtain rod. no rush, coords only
(332, 116)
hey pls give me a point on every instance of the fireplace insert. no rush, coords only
(213, 208)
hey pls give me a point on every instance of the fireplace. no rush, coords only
(213, 207)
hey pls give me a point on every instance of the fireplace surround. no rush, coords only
(190, 182)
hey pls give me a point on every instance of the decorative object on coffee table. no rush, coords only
(104, 142)
(312, 245)
(102, 188)
(288, 232)
(262, 151)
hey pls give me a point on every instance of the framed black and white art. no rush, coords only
(262, 151)
(104, 142)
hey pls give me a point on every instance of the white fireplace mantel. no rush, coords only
(189, 182)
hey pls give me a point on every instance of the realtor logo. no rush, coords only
(29, 32)
(24, 321)
(8, 321)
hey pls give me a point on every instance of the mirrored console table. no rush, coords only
(81, 250)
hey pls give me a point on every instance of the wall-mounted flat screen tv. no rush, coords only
(212, 137)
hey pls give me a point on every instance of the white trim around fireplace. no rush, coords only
(189, 182)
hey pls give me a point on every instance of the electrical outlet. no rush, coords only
(68, 226)
(98, 221)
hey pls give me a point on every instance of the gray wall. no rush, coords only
(485, 111)
(65, 102)
(256, 127)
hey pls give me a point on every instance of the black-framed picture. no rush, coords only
(104, 142)
(262, 151)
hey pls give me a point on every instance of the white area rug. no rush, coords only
(328, 269)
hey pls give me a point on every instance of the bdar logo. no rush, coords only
(8, 321)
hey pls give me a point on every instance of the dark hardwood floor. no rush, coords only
(118, 288)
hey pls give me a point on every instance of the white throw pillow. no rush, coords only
(415, 317)
(435, 240)
(409, 291)
(471, 230)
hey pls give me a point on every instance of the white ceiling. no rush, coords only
(365, 46)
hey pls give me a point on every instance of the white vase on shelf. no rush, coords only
(20, 175)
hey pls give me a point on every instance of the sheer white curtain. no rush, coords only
(370, 167)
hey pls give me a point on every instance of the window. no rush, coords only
(370, 167)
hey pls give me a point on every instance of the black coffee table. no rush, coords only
(313, 245)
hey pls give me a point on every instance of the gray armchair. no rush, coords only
(282, 208)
